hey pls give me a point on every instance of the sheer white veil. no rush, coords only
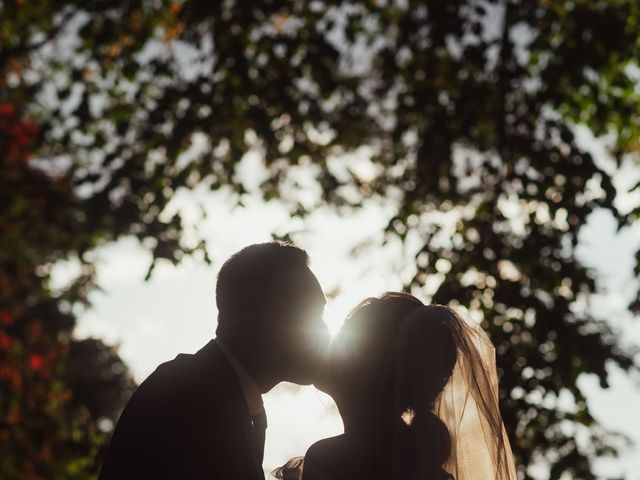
(478, 447)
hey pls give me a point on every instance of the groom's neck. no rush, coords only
(256, 366)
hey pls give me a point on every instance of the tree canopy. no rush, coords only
(470, 110)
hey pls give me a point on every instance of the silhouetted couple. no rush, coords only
(415, 384)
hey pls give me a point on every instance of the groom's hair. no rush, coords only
(252, 276)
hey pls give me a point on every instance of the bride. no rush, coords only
(417, 389)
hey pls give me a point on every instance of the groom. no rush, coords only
(201, 416)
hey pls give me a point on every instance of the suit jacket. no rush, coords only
(187, 420)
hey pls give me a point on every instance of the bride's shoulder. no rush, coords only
(321, 452)
(334, 458)
(325, 449)
(319, 456)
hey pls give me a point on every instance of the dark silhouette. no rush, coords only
(417, 391)
(197, 417)
(361, 380)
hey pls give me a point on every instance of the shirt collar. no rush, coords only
(252, 394)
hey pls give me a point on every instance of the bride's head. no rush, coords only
(417, 388)
(388, 363)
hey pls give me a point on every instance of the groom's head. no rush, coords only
(270, 309)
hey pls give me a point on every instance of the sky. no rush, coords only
(175, 310)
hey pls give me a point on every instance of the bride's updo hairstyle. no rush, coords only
(390, 361)
(423, 356)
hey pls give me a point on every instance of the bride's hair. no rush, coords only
(412, 353)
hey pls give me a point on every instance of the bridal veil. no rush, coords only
(477, 447)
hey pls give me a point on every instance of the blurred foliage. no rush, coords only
(470, 110)
(54, 390)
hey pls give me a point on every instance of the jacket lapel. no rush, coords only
(240, 419)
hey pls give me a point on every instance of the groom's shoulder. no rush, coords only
(165, 382)
(176, 371)
(185, 372)
(182, 371)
